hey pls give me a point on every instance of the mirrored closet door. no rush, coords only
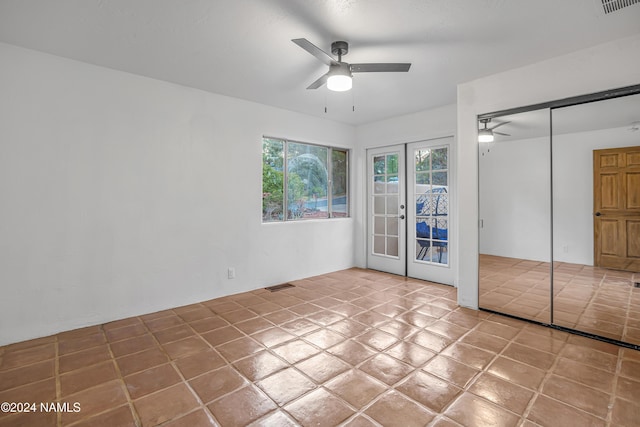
(596, 217)
(515, 215)
(559, 209)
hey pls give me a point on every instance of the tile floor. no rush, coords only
(352, 348)
(595, 300)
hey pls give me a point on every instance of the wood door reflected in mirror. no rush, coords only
(515, 216)
(596, 217)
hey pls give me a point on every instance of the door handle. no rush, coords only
(597, 214)
(401, 217)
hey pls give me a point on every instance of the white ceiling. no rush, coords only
(243, 48)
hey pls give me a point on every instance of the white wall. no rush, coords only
(430, 124)
(515, 202)
(123, 195)
(601, 67)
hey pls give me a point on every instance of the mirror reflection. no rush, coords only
(596, 217)
(515, 215)
(561, 187)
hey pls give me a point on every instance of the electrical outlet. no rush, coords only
(231, 273)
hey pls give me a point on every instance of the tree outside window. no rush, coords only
(315, 187)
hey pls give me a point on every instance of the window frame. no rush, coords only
(330, 181)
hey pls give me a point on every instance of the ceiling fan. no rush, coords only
(487, 134)
(339, 76)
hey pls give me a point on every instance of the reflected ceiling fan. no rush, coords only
(486, 134)
(339, 76)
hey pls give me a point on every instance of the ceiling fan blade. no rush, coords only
(319, 83)
(498, 125)
(500, 133)
(380, 67)
(315, 51)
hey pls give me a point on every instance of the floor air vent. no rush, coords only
(614, 5)
(280, 287)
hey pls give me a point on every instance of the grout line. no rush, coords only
(538, 390)
(119, 379)
(134, 413)
(614, 387)
(475, 378)
(202, 405)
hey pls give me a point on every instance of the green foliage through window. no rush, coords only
(302, 181)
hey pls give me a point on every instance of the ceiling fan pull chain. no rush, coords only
(353, 101)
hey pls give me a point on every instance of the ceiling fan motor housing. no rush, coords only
(340, 48)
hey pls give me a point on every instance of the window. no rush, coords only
(303, 181)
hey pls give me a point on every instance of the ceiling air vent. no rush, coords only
(614, 5)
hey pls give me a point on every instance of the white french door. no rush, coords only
(386, 213)
(429, 214)
(408, 210)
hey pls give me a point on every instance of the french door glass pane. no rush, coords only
(423, 178)
(439, 159)
(392, 226)
(423, 250)
(392, 246)
(392, 205)
(379, 225)
(379, 165)
(378, 245)
(423, 160)
(379, 205)
(439, 178)
(432, 204)
(392, 164)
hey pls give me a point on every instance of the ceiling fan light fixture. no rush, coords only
(485, 135)
(339, 83)
(340, 78)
